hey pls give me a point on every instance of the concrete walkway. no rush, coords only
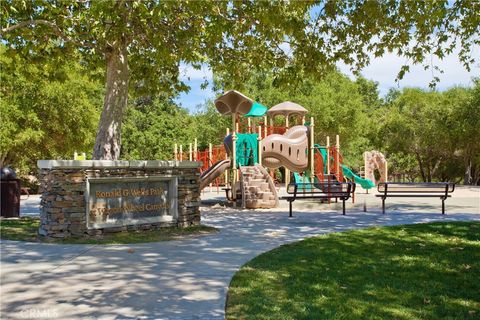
(185, 279)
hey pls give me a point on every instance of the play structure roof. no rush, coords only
(287, 108)
(257, 110)
(233, 101)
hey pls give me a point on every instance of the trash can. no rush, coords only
(10, 193)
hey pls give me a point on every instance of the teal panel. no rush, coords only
(257, 110)
(247, 149)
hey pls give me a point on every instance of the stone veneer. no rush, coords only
(63, 185)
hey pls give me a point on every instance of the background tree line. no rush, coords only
(49, 112)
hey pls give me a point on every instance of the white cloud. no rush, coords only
(382, 70)
(385, 69)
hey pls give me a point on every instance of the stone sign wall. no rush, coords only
(94, 197)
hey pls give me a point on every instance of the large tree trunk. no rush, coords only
(108, 140)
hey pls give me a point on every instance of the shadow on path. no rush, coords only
(184, 279)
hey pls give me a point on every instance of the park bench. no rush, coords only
(440, 190)
(321, 190)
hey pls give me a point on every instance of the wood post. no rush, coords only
(226, 171)
(365, 160)
(312, 150)
(175, 152)
(260, 146)
(287, 172)
(337, 156)
(181, 153)
(265, 124)
(210, 162)
(328, 155)
(234, 157)
(195, 151)
(190, 152)
(386, 171)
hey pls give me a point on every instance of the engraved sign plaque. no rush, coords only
(122, 201)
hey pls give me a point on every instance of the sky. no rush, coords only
(382, 70)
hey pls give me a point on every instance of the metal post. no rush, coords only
(290, 213)
(343, 206)
(383, 205)
(443, 205)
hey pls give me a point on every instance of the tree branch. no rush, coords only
(56, 30)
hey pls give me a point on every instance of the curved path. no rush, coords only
(185, 279)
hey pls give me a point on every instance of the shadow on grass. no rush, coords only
(426, 271)
(26, 229)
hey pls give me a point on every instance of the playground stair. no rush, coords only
(257, 188)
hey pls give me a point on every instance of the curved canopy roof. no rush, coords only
(257, 110)
(286, 109)
(233, 102)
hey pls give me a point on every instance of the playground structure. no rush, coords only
(246, 153)
(375, 160)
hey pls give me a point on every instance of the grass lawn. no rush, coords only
(423, 271)
(25, 229)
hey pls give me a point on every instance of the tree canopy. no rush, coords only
(47, 112)
(140, 44)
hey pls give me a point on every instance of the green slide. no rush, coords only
(365, 183)
(347, 172)
(301, 179)
(323, 152)
(304, 181)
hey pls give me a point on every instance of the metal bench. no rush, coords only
(440, 190)
(323, 190)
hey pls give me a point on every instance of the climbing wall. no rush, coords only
(257, 188)
(375, 160)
